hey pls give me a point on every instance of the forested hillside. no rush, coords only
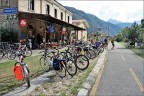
(94, 22)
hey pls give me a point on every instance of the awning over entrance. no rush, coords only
(52, 20)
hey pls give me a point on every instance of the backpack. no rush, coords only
(56, 64)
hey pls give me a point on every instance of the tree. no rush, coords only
(133, 32)
(142, 23)
(8, 34)
(119, 38)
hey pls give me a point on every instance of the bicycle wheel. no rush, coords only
(27, 81)
(27, 76)
(11, 55)
(62, 71)
(82, 62)
(93, 54)
(71, 67)
(1, 53)
(44, 63)
(88, 54)
(25, 72)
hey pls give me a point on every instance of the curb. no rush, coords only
(90, 80)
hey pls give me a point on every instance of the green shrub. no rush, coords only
(8, 34)
(119, 38)
(126, 40)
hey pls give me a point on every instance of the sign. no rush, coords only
(23, 23)
(11, 16)
(10, 11)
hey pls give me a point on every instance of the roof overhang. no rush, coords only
(82, 21)
(53, 20)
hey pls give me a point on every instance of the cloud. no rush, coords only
(126, 11)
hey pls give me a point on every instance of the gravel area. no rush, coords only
(65, 87)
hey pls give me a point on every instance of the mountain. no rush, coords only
(122, 24)
(114, 21)
(94, 22)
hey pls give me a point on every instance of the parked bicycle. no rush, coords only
(23, 49)
(54, 60)
(21, 70)
(81, 61)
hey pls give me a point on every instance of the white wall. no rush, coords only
(23, 5)
(82, 25)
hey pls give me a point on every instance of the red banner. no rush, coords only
(63, 30)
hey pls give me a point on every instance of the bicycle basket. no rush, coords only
(56, 64)
(18, 71)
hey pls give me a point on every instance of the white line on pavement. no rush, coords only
(123, 57)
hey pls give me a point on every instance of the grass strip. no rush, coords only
(137, 51)
(7, 79)
(75, 89)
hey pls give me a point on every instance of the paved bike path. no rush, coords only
(122, 74)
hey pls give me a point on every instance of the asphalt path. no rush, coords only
(123, 74)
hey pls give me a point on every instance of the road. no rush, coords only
(123, 74)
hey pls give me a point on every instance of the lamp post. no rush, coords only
(108, 31)
(99, 29)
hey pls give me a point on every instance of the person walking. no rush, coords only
(113, 45)
(106, 43)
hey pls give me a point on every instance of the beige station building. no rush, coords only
(32, 18)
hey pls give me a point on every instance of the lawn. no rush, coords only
(7, 79)
(137, 51)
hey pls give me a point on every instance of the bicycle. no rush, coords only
(81, 61)
(22, 49)
(57, 63)
(4, 50)
(21, 70)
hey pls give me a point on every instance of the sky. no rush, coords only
(124, 11)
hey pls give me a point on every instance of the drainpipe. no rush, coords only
(40, 6)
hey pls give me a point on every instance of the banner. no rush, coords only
(51, 28)
(63, 30)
